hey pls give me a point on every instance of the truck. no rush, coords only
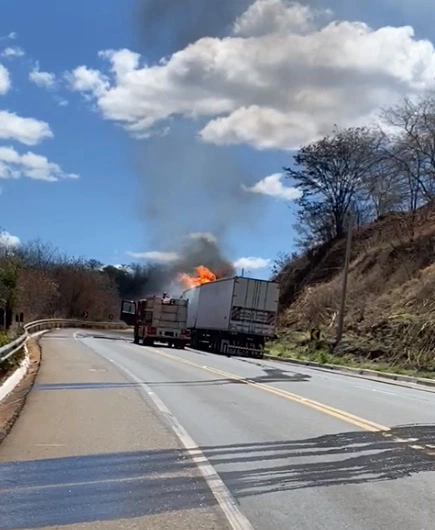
(157, 319)
(232, 316)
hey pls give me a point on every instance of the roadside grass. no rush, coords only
(4, 338)
(354, 352)
(9, 365)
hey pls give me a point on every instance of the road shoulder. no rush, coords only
(88, 452)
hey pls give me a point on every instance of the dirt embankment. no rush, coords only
(390, 309)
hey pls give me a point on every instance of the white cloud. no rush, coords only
(84, 79)
(8, 240)
(252, 262)
(275, 16)
(155, 255)
(284, 77)
(5, 80)
(120, 267)
(28, 131)
(273, 187)
(42, 79)
(207, 236)
(13, 51)
(36, 167)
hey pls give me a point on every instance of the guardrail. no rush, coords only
(41, 325)
(243, 351)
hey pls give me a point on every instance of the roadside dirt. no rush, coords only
(11, 406)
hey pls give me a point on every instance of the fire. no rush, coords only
(203, 275)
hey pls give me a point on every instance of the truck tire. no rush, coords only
(136, 339)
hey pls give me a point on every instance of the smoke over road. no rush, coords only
(197, 249)
(189, 186)
(174, 24)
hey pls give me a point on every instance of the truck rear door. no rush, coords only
(128, 312)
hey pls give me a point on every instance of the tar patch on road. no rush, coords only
(101, 487)
(345, 459)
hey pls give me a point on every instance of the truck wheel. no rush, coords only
(136, 339)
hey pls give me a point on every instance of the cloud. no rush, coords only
(273, 187)
(205, 236)
(84, 79)
(28, 131)
(30, 165)
(156, 256)
(5, 80)
(284, 76)
(252, 262)
(8, 240)
(42, 79)
(13, 51)
(276, 16)
(120, 267)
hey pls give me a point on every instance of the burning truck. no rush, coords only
(232, 316)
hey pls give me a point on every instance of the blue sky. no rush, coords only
(194, 137)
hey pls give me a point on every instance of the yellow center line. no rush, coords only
(356, 421)
(326, 409)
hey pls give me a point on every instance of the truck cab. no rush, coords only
(157, 319)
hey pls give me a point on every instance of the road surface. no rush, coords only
(297, 448)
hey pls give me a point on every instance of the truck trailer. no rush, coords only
(157, 319)
(233, 316)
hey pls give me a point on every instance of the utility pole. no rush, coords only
(340, 324)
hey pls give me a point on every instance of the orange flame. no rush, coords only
(203, 275)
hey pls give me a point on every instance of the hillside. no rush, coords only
(390, 311)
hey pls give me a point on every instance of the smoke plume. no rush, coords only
(174, 24)
(187, 185)
(197, 249)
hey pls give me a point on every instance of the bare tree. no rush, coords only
(331, 173)
(386, 188)
(413, 145)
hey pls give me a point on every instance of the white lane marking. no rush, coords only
(222, 494)
(383, 392)
(49, 445)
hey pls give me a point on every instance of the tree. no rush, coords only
(331, 173)
(412, 148)
(9, 273)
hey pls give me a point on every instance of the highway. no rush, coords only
(295, 447)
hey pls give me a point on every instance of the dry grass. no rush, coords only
(390, 307)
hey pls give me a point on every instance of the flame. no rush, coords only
(203, 275)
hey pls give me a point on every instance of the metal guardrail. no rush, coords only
(243, 351)
(41, 325)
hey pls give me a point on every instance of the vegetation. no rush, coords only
(381, 177)
(386, 181)
(40, 282)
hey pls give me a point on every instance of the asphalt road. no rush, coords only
(298, 448)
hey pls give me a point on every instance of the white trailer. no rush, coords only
(233, 315)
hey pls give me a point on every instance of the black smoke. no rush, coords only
(154, 278)
(171, 25)
(187, 185)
